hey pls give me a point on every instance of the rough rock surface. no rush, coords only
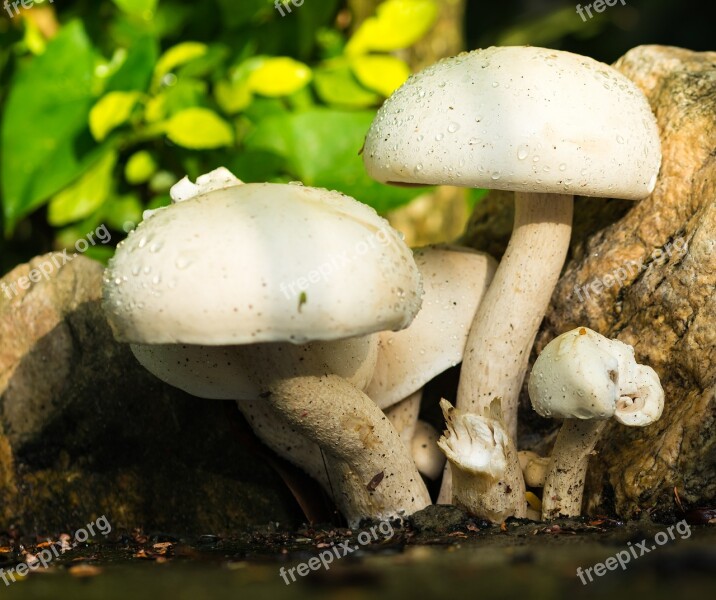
(86, 431)
(656, 261)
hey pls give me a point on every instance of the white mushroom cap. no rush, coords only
(583, 375)
(455, 279)
(261, 263)
(228, 372)
(521, 119)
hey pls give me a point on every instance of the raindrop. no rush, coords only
(418, 168)
(142, 243)
(155, 247)
(496, 175)
(439, 137)
(562, 167)
(182, 263)
(620, 139)
(523, 152)
(453, 127)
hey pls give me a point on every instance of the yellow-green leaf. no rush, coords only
(85, 195)
(336, 84)
(140, 167)
(177, 56)
(232, 96)
(143, 8)
(281, 76)
(111, 111)
(380, 73)
(397, 25)
(199, 129)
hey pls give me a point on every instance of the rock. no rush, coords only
(656, 261)
(86, 431)
(439, 519)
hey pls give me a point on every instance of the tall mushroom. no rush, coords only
(544, 123)
(274, 292)
(585, 378)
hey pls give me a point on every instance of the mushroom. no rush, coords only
(275, 293)
(543, 123)
(455, 280)
(534, 468)
(424, 447)
(585, 378)
(482, 455)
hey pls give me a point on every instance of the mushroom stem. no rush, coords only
(404, 416)
(382, 481)
(284, 440)
(484, 464)
(507, 320)
(564, 485)
(509, 316)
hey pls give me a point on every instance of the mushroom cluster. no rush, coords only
(198, 290)
(307, 309)
(545, 124)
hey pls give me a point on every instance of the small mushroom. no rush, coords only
(545, 124)
(425, 450)
(585, 378)
(534, 468)
(228, 295)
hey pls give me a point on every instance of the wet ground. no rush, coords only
(440, 554)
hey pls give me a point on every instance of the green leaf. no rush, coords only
(398, 24)
(135, 72)
(176, 56)
(383, 74)
(123, 213)
(137, 8)
(256, 166)
(111, 111)
(336, 84)
(245, 12)
(280, 76)
(85, 195)
(198, 129)
(321, 146)
(140, 167)
(45, 143)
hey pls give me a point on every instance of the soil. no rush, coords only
(439, 553)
